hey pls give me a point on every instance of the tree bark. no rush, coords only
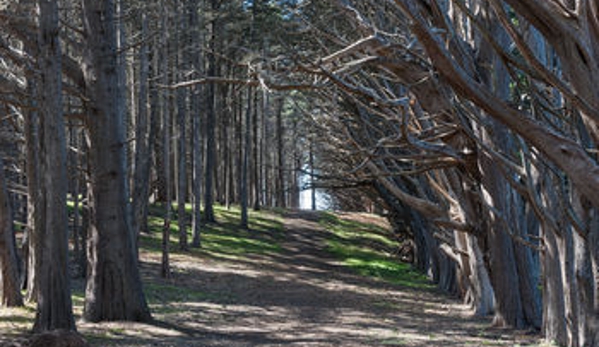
(245, 163)
(34, 221)
(114, 289)
(182, 132)
(143, 157)
(54, 307)
(210, 125)
(255, 181)
(10, 293)
(196, 129)
(280, 178)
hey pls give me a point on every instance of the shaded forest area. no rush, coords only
(471, 125)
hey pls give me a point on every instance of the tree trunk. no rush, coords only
(54, 307)
(141, 178)
(34, 221)
(166, 228)
(181, 133)
(255, 158)
(280, 181)
(165, 268)
(114, 288)
(245, 164)
(10, 293)
(554, 320)
(196, 128)
(312, 180)
(210, 126)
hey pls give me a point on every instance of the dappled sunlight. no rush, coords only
(300, 295)
(15, 321)
(294, 291)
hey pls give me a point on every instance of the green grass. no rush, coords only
(224, 239)
(158, 293)
(368, 249)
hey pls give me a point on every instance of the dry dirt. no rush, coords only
(299, 297)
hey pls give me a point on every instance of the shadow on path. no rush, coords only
(299, 297)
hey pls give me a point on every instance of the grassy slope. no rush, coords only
(368, 249)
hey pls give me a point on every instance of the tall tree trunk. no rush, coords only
(263, 151)
(114, 289)
(34, 221)
(312, 180)
(256, 158)
(141, 175)
(165, 268)
(210, 124)
(10, 293)
(54, 306)
(510, 265)
(182, 130)
(196, 170)
(245, 164)
(166, 228)
(196, 126)
(280, 181)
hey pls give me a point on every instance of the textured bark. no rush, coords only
(114, 289)
(54, 307)
(565, 153)
(243, 195)
(10, 293)
(196, 130)
(554, 320)
(312, 179)
(255, 180)
(210, 126)
(182, 150)
(34, 221)
(165, 268)
(280, 177)
(483, 292)
(166, 228)
(143, 158)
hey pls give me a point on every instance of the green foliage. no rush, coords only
(368, 250)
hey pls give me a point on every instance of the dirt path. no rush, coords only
(299, 297)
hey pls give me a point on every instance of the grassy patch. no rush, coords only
(368, 250)
(224, 239)
(158, 293)
(16, 321)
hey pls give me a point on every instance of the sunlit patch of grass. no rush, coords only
(367, 249)
(224, 239)
(16, 321)
(78, 298)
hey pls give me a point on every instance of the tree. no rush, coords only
(114, 288)
(10, 294)
(244, 196)
(143, 158)
(183, 57)
(54, 307)
(165, 268)
(211, 121)
(196, 126)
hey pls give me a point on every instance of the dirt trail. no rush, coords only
(299, 297)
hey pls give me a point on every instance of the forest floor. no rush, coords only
(291, 285)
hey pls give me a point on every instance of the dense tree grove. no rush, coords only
(472, 125)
